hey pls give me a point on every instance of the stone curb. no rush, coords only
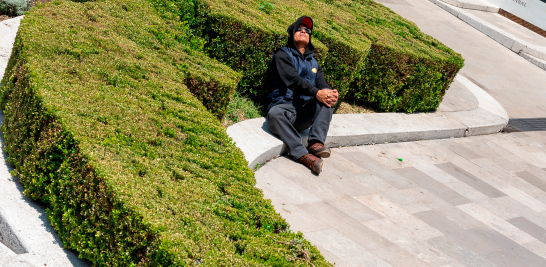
(484, 6)
(509, 41)
(259, 145)
(537, 61)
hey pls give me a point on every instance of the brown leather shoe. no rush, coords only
(319, 150)
(314, 163)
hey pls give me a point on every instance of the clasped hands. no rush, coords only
(328, 97)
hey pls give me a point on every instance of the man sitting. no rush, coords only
(301, 98)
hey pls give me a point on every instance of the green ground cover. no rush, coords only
(102, 126)
(369, 53)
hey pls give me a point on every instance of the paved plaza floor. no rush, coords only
(476, 201)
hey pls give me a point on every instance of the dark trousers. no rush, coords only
(288, 120)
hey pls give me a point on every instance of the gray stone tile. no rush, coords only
(514, 187)
(299, 220)
(396, 256)
(409, 262)
(344, 248)
(467, 191)
(470, 179)
(397, 2)
(389, 155)
(348, 184)
(451, 212)
(503, 260)
(459, 252)
(391, 254)
(287, 167)
(517, 207)
(433, 186)
(345, 225)
(499, 225)
(280, 187)
(512, 180)
(529, 227)
(456, 233)
(508, 248)
(343, 165)
(521, 148)
(487, 149)
(460, 149)
(500, 156)
(434, 172)
(398, 224)
(532, 179)
(366, 162)
(534, 170)
(331, 257)
(372, 182)
(405, 201)
(418, 151)
(354, 209)
(320, 186)
(496, 207)
(427, 253)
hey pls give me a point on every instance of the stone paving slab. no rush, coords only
(448, 202)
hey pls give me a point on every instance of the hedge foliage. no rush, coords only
(101, 126)
(368, 51)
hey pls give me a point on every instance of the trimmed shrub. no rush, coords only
(348, 34)
(13, 7)
(101, 126)
(404, 69)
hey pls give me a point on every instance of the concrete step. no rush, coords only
(473, 4)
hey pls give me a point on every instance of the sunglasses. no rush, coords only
(308, 31)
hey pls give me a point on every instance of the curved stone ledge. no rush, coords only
(259, 145)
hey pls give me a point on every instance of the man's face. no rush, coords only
(301, 37)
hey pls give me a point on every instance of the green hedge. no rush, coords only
(101, 126)
(350, 35)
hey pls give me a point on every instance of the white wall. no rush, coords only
(533, 11)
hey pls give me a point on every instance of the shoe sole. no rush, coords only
(323, 154)
(320, 167)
